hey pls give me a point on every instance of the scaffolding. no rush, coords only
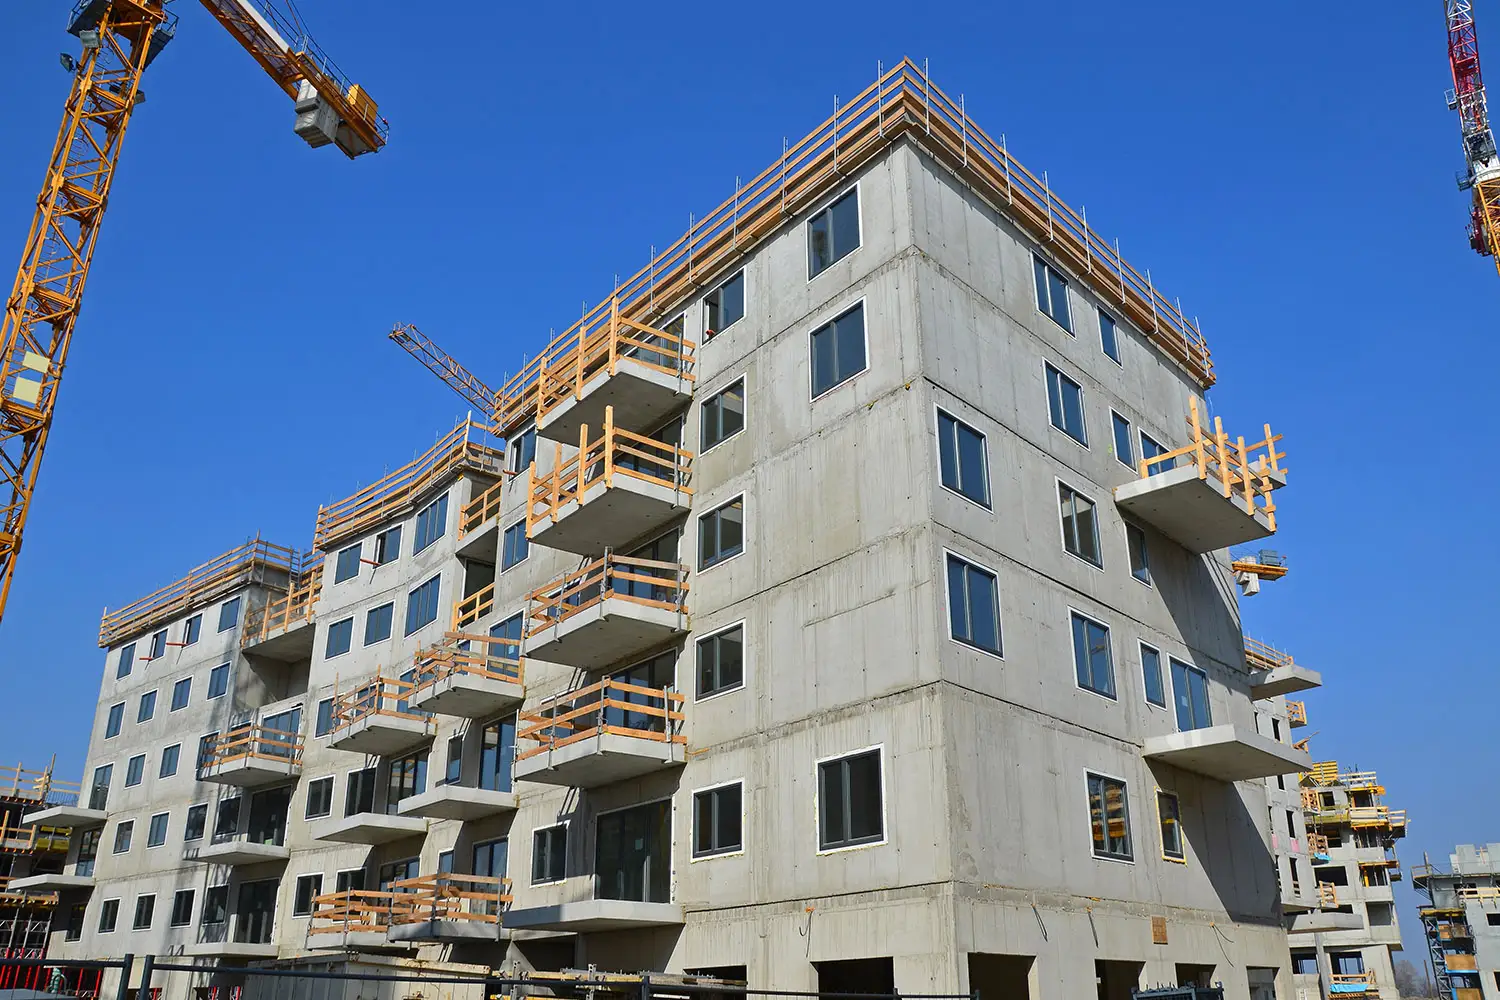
(26, 849)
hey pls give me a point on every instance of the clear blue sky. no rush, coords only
(1290, 179)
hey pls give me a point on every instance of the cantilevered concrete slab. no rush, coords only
(1283, 680)
(252, 772)
(231, 949)
(55, 882)
(382, 734)
(290, 643)
(458, 802)
(66, 817)
(1192, 512)
(610, 631)
(366, 940)
(425, 931)
(239, 852)
(1319, 922)
(594, 915)
(369, 828)
(1227, 753)
(468, 695)
(642, 397)
(609, 518)
(601, 759)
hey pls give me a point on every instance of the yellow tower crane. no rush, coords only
(120, 38)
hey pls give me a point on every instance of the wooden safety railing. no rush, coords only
(606, 706)
(462, 654)
(902, 104)
(379, 696)
(450, 896)
(647, 582)
(614, 453)
(1259, 656)
(240, 565)
(291, 608)
(24, 897)
(353, 911)
(472, 608)
(1317, 843)
(1296, 713)
(1328, 895)
(253, 742)
(1353, 979)
(1245, 473)
(480, 510)
(23, 838)
(28, 785)
(1480, 892)
(461, 448)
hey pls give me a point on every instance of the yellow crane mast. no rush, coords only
(120, 39)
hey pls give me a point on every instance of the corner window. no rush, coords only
(549, 854)
(1052, 293)
(135, 770)
(156, 833)
(1109, 818)
(309, 888)
(1109, 337)
(1156, 692)
(833, 234)
(721, 662)
(109, 912)
(838, 350)
(1065, 405)
(721, 533)
(114, 721)
(973, 605)
(197, 819)
(422, 605)
(432, 521)
(962, 459)
(229, 615)
(521, 451)
(515, 546)
(1080, 526)
(724, 306)
(347, 567)
(191, 630)
(1124, 442)
(145, 909)
(218, 681)
(181, 692)
(1092, 658)
(1149, 450)
(146, 707)
(126, 661)
(378, 623)
(1140, 561)
(324, 723)
(1170, 816)
(1190, 691)
(182, 907)
(340, 636)
(169, 759)
(123, 832)
(388, 546)
(717, 821)
(850, 807)
(723, 415)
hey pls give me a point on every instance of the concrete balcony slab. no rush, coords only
(251, 771)
(599, 759)
(609, 517)
(1191, 511)
(438, 931)
(458, 802)
(54, 882)
(1226, 753)
(373, 941)
(239, 852)
(288, 643)
(382, 734)
(369, 828)
(468, 694)
(1319, 922)
(642, 398)
(612, 629)
(594, 915)
(1283, 680)
(66, 817)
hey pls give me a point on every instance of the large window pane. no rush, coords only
(724, 415)
(962, 460)
(1151, 676)
(849, 805)
(838, 350)
(833, 233)
(973, 605)
(1079, 525)
(1092, 658)
(1109, 818)
(1065, 404)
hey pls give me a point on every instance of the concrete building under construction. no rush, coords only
(1461, 921)
(849, 608)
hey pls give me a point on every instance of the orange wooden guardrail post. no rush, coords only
(1197, 427)
(583, 456)
(614, 332)
(1245, 474)
(609, 446)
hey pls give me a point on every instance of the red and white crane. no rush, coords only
(1467, 98)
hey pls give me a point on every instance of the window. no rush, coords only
(724, 306)
(1140, 560)
(1170, 815)
(99, 790)
(497, 751)
(388, 546)
(146, 708)
(215, 905)
(1080, 526)
(350, 880)
(324, 724)
(721, 533)
(973, 605)
(454, 772)
(197, 818)
(1190, 689)
(88, 852)
(549, 854)
(123, 832)
(158, 646)
(1124, 442)
(309, 887)
(109, 912)
(721, 662)
(1156, 693)
(145, 909)
(126, 661)
(181, 692)
(226, 820)
(182, 907)
(156, 833)
(833, 233)
(169, 757)
(1109, 337)
(516, 546)
(723, 415)
(74, 930)
(229, 615)
(717, 821)
(838, 350)
(850, 807)
(962, 460)
(347, 567)
(114, 721)
(1304, 963)
(1065, 405)
(1150, 449)
(340, 635)
(1052, 293)
(191, 630)
(218, 681)
(1091, 656)
(135, 770)
(405, 777)
(319, 798)
(522, 450)
(422, 605)
(359, 792)
(1109, 818)
(432, 521)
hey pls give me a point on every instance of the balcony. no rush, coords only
(1211, 494)
(27, 838)
(376, 719)
(1274, 673)
(1226, 753)
(1296, 714)
(618, 487)
(607, 732)
(593, 911)
(369, 828)
(461, 802)
(282, 629)
(251, 756)
(479, 523)
(1321, 922)
(50, 882)
(614, 608)
(236, 851)
(609, 360)
(1351, 984)
(449, 907)
(251, 940)
(65, 817)
(460, 677)
(355, 919)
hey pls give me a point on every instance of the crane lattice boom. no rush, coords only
(440, 363)
(1468, 99)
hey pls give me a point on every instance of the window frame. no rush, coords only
(114, 719)
(166, 818)
(1114, 680)
(744, 531)
(1116, 420)
(984, 456)
(1114, 327)
(1190, 668)
(225, 667)
(999, 653)
(1141, 575)
(177, 685)
(358, 549)
(317, 891)
(744, 661)
(812, 375)
(135, 920)
(390, 625)
(381, 543)
(1038, 281)
(885, 824)
(1048, 370)
(418, 546)
(348, 639)
(567, 837)
(145, 707)
(192, 900)
(1062, 525)
(187, 823)
(1161, 827)
(1161, 679)
(693, 854)
(711, 333)
(739, 380)
(307, 798)
(110, 911)
(411, 629)
(140, 773)
(233, 602)
(192, 628)
(161, 771)
(1088, 812)
(1141, 437)
(827, 206)
(506, 567)
(128, 825)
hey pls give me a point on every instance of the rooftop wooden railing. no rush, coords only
(291, 608)
(239, 566)
(902, 103)
(602, 707)
(1244, 473)
(253, 742)
(462, 654)
(459, 449)
(450, 896)
(379, 696)
(1259, 656)
(648, 582)
(353, 911)
(28, 785)
(471, 609)
(480, 510)
(1296, 713)
(615, 452)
